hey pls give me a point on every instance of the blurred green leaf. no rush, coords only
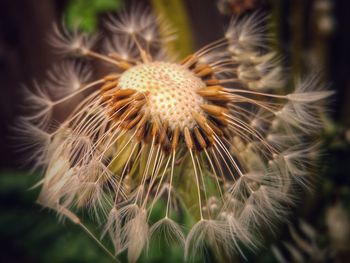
(84, 13)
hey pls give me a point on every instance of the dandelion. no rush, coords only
(212, 135)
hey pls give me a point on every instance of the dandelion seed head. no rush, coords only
(208, 136)
(171, 91)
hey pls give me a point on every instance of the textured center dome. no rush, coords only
(172, 91)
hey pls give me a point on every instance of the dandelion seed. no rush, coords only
(206, 135)
(67, 77)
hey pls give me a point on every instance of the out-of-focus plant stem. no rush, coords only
(175, 12)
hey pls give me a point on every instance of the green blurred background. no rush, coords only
(308, 33)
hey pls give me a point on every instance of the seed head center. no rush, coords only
(171, 88)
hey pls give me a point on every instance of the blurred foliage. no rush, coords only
(32, 234)
(85, 13)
